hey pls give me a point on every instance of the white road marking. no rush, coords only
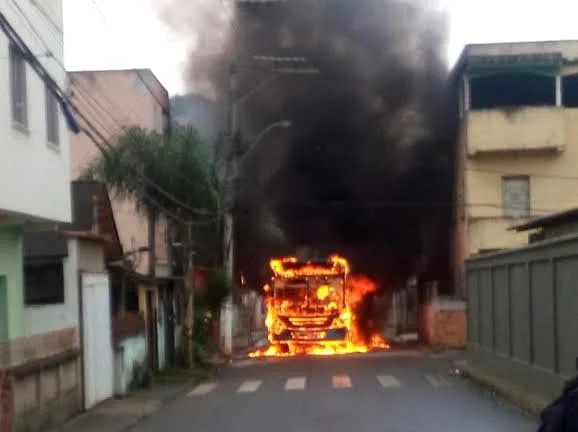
(437, 381)
(388, 381)
(295, 384)
(203, 389)
(342, 381)
(249, 387)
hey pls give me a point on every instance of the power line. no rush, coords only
(99, 10)
(137, 71)
(63, 98)
(89, 99)
(47, 16)
(95, 105)
(411, 204)
(37, 34)
(529, 174)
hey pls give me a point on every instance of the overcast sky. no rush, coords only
(118, 34)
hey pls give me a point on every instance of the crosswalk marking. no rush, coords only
(388, 381)
(342, 381)
(338, 382)
(295, 384)
(437, 381)
(202, 389)
(249, 387)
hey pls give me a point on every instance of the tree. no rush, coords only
(170, 176)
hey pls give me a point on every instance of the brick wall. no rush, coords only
(446, 323)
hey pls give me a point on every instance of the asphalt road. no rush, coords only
(386, 392)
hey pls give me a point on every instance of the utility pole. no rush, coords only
(231, 162)
(189, 275)
(227, 199)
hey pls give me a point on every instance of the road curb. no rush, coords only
(531, 403)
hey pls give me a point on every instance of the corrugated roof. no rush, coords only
(562, 217)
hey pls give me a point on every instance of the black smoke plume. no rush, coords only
(366, 168)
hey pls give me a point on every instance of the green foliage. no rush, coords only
(175, 164)
(166, 175)
(215, 292)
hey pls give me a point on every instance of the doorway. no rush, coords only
(152, 330)
(3, 309)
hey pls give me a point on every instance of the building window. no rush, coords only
(43, 281)
(52, 129)
(506, 90)
(516, 196)
(18, 87)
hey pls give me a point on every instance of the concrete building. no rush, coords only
(34, 179)
(518, 144)
(39, 343)
(115, 100)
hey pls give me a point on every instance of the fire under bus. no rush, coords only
(309, 309)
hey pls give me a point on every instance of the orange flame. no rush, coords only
(357, 287)
(339, 265)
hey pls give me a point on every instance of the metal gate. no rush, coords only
(96, 339)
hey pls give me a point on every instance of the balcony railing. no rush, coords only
(512, 130)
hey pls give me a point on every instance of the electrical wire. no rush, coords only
(137, 71)
(529, 174)
(63, 98)
(100, 12)
(86, 95)
(37, 34)
(88, 100)
(48, 17)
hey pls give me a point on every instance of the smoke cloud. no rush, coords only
(365, 168)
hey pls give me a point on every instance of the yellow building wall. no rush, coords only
(553, 178)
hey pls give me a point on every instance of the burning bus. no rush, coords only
(310, 308)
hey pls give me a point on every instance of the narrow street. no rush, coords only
(387, 392)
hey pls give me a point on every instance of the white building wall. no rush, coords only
(48, 318)
(34, 175)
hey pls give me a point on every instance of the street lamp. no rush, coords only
(284, 124)
(231, 162)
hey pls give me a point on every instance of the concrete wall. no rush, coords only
(538, 142)
(532, 128)
(26, 151)
(11, 267)
(493, 233)
(116, 99)
(91, 257)
(569, 49)
(47, 395)
(553, 181)
(47, 318)
(522, 320)
(129, 352)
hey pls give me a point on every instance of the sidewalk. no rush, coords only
(243, 347)
(529, 402)
(119, 415)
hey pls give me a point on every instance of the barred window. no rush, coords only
(516, 196)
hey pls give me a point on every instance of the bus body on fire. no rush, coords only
(308, 301)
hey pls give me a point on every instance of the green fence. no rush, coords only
(523, 314)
